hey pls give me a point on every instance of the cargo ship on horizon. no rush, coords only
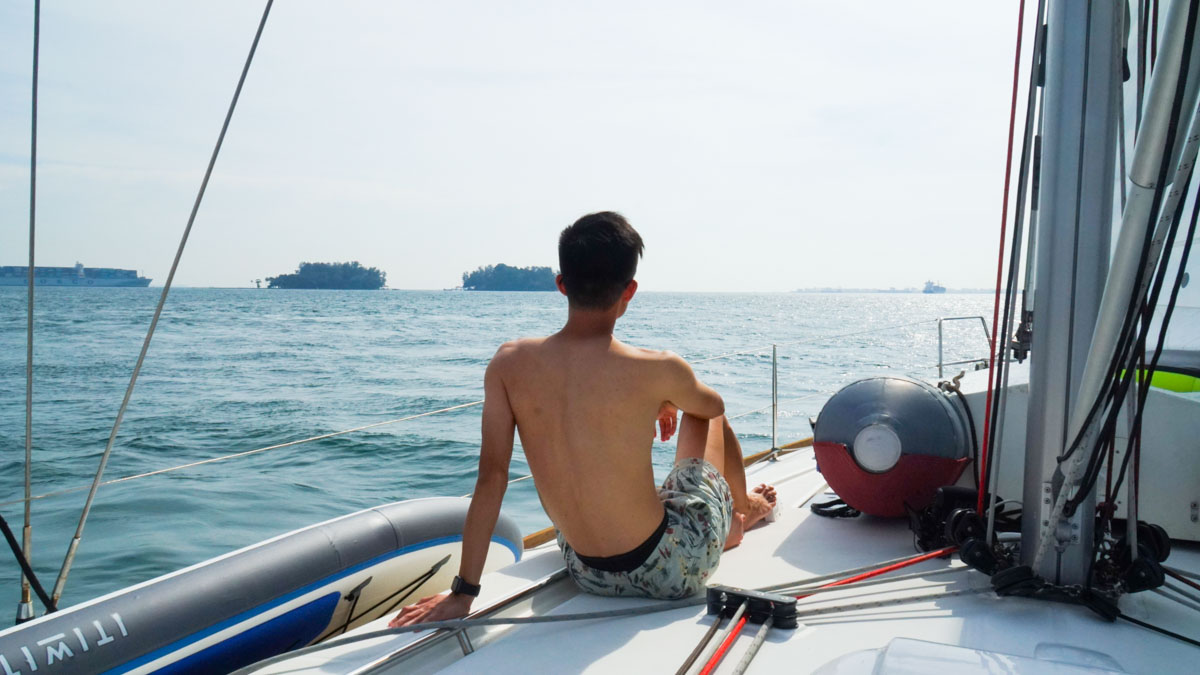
(103, 277)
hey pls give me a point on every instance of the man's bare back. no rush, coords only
(585, 409)
(585, 406)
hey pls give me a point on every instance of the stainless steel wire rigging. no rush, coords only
(25, 609)
(74, 545)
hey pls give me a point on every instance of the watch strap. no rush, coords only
(464, 588)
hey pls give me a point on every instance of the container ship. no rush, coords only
(14, 275)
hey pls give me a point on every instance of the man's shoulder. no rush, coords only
(513, 349)
(665, 357)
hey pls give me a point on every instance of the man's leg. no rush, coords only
(714, 441)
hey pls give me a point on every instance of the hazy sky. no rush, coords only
(760, 146)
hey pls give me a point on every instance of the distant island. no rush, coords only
(508, 278)
(335, 276)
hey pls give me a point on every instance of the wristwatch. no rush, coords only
(463, 588)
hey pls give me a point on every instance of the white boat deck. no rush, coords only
(1012, 634)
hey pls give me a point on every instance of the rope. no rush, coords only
(820, 338)
(720, 654)
(189, 465)
(518, 479)
(66, 566)
(1159, 629)
(736, 622)
(887, 568)
(995, 339)
(1131, 342)
(755, 350)
(771, 405)
(245, 453)
(1025, 182)
(704, 641)
(875, 604)
(310, 439)
(816, 590)
(713, 655)
(26, 571)
(833, 575)
(27, 530)
(1172, 573)
(464, 624)
(835, 508)
(752, 650)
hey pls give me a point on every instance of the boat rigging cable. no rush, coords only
(996, 338)
(873, 571)
(1114, 386)
(994, 427)
(1137, 294)
(74, 545)
(26, 569)
(455, 625)
(1132, 348)
(25, 609)
(320, 437)
(1144, 376)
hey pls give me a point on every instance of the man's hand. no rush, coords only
(434, 608)
(668, 420)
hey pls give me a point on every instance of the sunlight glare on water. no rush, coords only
(234, 370)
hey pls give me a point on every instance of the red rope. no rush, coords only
(1012, 125)
(737, 629)
(1182, 578)
(720, 653)
(884, 570)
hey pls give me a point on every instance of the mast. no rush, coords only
(1075, 206)
(1164, 153)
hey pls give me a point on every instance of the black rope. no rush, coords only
(1159, 629)
(1001, 333)
(1143, 393)
(974, 439)
(1143, 24)
(1133, 370)
(411, 587)
(25, 568)
(835, 508)
(691, 659)
(1136, 298)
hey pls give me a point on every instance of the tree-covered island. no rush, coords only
(337, 276)
(508, 278)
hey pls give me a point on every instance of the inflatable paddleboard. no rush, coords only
(282, 594)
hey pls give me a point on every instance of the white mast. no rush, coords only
(1126, 278)
(1075, 206)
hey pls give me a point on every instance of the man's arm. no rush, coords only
(495, 453)
(688, 393)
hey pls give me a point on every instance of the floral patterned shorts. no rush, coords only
(699, 511)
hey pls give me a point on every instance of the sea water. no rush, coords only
(236, 370)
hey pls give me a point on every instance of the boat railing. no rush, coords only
(941, 340)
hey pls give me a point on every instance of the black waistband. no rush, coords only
(627, 562)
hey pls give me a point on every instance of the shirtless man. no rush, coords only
(585, 405)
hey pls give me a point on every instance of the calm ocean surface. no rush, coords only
(235, 370)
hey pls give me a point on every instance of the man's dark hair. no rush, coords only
(597, 257)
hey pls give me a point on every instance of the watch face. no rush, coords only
(463, 588)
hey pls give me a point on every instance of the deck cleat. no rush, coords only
(781, 609)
